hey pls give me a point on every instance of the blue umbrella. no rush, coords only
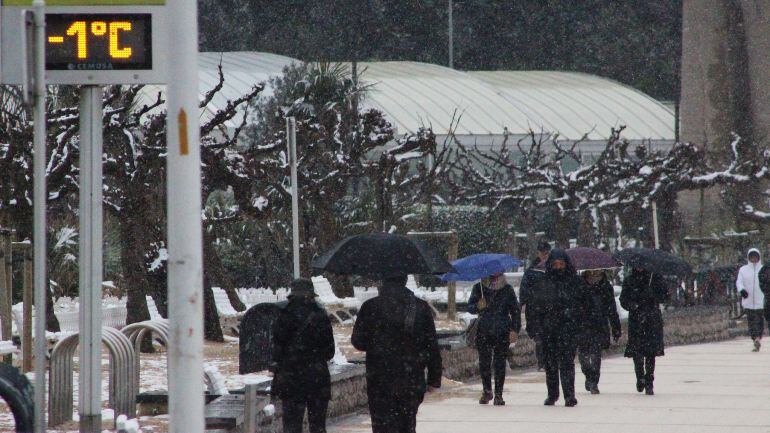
(478, 266)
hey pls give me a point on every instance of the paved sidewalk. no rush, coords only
(707, 388)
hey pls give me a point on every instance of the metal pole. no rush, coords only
(451, 38)
(90, 261)
(291, 133)
(185, 244)
(655, 224)
(452, 286)
(5, 303)
(26, 338)
(39, 221)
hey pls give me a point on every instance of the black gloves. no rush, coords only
(744, 294)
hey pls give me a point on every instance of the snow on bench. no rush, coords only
(229, 317)
(152, 307)
(332, 303)
(8, 348)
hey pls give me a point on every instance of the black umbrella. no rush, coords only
(381, 255)
(655, 261)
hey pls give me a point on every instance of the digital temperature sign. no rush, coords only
(98, 42)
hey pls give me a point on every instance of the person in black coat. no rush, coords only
(528, 282)
(557, 306)
(601, 316)
(499, 324)
(303, 343)
(397, 332)
(642, 294)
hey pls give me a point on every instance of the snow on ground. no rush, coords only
(153, 376)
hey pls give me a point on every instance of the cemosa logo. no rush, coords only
(87, 2)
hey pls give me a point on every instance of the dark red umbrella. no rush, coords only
(588, 259)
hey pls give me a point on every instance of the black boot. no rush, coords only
(594, 389)
(640, 385)
(486, 397)
(499, 400)
(648, 388)
(570, 402)
(549, 401)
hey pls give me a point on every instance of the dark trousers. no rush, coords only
(756, 321)
(590, 356)
(539, 352)
(644, 366)
(559, 363)
(393, 413)
(294, 413)
(493, 352)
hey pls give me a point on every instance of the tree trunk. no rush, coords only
(217, 272)
(212, 329)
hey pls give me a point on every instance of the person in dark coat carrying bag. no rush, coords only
(642, 294)
(499, 324)
(303, 343)
(558, 305)
(602, 315)
(397, 332)
(528, 283)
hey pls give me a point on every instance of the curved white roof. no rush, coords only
(573, 103)
(413, 94)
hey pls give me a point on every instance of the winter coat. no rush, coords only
(303, 343)
(502, 314)
(558, 304)
(748, 280)
(396, 357)
(764, 285)
(528, 284)
(601, 315)
(641, 296)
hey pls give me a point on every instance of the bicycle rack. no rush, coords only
(123, 380)
(136, 332)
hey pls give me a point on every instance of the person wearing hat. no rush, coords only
(528, 282)
(303, 344)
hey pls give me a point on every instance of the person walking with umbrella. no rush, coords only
(642, 294)
(558, 305)
(303, 343)
(748, 285)
(397, 332)
(395, 329)
(601, 316)
(528, 282)
(499, 324)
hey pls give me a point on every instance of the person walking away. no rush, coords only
(303, 344)
(764, 285)
(531, 276)
(642, 294)
(601, 317)
(397, 332)
(557, 306)
(499, 324)
(748, 285)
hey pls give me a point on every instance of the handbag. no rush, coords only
(472, 333)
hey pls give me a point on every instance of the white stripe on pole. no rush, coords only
(90, 261)
(655, 229)
(39, 194)
(185, 268)
(291, 133)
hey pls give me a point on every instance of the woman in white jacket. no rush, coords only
(753, 301)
